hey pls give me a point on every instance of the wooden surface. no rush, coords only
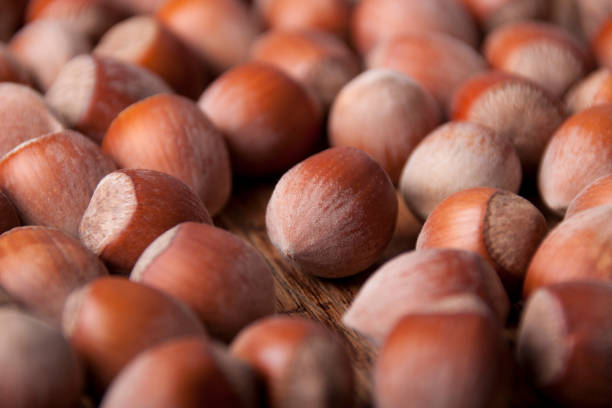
(320, 299)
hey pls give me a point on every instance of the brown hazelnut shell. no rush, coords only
(24, 115)
(375, 21)
(562, 343)
(171, 134)
(541, 52)
(577, 249)
(41, 369)
(40, 267)
(132, 207)
(111, 320)
(318, 60)
(596, 194)
(412, 54)
(332, 16)
(220, 31)
(90, 17)
(302, 363)
(442, 360)
(333, 214)
(504, 228)
(513, 106)
(579, 152)
(45, 46)
(187, 375)
(144, 41)
(454, 157)
(270, 121)
(595, 89)
(51, 178)
(427, 280)
(492, 14)
(225, 281)
(385, 114)
(90, 91)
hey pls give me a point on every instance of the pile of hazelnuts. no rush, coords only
(123, 124)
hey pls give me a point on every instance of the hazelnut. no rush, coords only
(40, 368)
(145, 42)
(385, 114)
(270, 121)
(577, 249)
(130, 208)
(90, 17)
(327, 15)
(543, 53)
(111, 320)
(595, 89)
(10, 69)
(45, 46)
(24, 115)
(333, 214)
(593, 15)
(512, 106)
(504, 228)
(492, 14)
(39, 267)
(51, 178)
(302, 363)
(579, 152)
(442, 360)
(454, 157)
(221, 31)
(375, 21)
(412, 55)
(171, 134)
(425, 281)
(318, 60)
(596, 194)
(90, 91)
(225, 281)
(188, 374)
(562, 343)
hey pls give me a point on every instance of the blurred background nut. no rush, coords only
(301, 363)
